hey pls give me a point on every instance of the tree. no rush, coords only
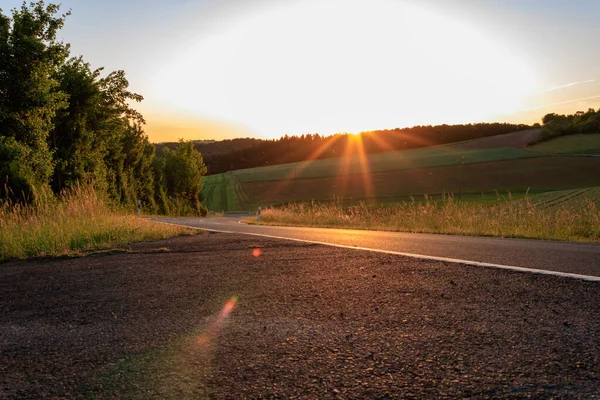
(181, 176)
(29, 99)
(550, 118)
(80, 131)
(99, 137)
(129, 154)
(560, 125)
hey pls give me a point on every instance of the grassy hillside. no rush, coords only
(517, 140)
(464, 169)
(221, 192)
(588, 143)
(536, 174)
(380, 162)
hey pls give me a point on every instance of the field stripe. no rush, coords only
(412, 255)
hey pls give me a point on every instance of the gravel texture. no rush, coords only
(310, 321)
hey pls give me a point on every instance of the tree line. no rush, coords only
(63, 123)
(228, 155)
(555, 125)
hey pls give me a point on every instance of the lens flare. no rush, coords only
(229, 306)
(213, 329)
(256, 252)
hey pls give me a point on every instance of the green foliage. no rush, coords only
(16, 171)
(180, 172)
(99, 136)
(63, 123)
(80, 129)
(556, 125)
(29, 99)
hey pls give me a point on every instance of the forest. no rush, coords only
(63, 123)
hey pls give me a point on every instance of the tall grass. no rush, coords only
(522, 219)
(80, 219)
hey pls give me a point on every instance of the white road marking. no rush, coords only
(412, 255)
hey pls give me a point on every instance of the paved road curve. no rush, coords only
(574, 258)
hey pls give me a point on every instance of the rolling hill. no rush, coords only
(497, 163)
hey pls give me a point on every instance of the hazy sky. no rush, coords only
(231, 68)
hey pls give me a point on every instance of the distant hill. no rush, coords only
(514, 139)
(581, 144)
(480, 168)
(235, 154)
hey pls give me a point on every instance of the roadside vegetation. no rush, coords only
(79, 220)
(63, 123)
(65, 128)
(566, 215)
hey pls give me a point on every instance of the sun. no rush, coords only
(346, 66)
(355, 137)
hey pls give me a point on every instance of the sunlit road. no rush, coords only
(574, 258)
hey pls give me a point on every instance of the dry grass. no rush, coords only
(522, 219)
(80, 220)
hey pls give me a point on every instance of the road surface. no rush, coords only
(562, 257)
(206, 317)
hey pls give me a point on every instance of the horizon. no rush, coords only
(215, 70)
(340, 133)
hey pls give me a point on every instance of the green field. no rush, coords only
(569, 199)
(536, 174)
(572, 144)
(222, 192)
(474, 169)
(380, 162)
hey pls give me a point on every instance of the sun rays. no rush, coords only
(353, 161)
(354, 154)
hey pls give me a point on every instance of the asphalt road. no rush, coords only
(571, 258)
(232, 316)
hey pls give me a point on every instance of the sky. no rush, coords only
(219, 69)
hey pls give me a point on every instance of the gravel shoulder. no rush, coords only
(309, 321)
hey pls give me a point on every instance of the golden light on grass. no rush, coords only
(284, 184)
(365, 168)
(526, 218)
(355, 153)
(81, 220)
(383, 145)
